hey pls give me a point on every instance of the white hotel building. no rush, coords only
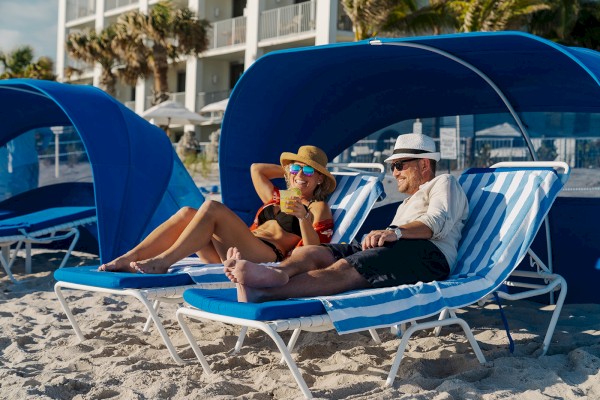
(241, 31)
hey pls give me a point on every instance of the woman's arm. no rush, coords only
(317, 212)
(262, 174)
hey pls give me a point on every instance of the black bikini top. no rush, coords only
(287, 222)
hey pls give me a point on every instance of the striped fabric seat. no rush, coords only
(353, 198)
(507, 207)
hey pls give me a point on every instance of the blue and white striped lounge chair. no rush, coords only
(507, 207)
(40, 227)
(354, 197)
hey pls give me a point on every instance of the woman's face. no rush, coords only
(306, 183)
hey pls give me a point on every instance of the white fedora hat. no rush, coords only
(414, 145)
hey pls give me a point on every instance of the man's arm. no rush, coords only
(411, 230)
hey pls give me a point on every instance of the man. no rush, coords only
(419, 245)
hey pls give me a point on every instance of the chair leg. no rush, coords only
(67, 310)
(428, 325)
(240, 340)
(155, 305)
(159, 326)
(192, 341)
(559, 281)
(75, 233)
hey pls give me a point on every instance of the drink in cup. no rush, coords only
(285, 196)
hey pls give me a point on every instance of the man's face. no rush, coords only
(408, 173)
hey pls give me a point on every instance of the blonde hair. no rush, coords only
(320, 193)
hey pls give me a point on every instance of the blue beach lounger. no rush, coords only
(507, 207)
(44, 226)
(350, 203)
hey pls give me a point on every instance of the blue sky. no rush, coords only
(29, 22)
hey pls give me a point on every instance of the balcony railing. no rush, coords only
(205, 98)
(228, 32)
(80, 8)
(112, 4)
(289, 20)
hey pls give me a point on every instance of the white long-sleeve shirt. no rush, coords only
(442, 205)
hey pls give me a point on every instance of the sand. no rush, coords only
(41, 358)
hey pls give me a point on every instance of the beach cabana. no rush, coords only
(138, 181)
(335, 95)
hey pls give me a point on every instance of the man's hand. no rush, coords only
(378, 238)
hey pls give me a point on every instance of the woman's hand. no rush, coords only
(296, 208)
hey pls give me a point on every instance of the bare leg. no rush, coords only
(337, 278)
(213, 221)
(209, 254)
(303, 259)
(155, 243)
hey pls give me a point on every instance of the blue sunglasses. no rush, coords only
(306, 170)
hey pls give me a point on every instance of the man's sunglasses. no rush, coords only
(306, 170)
(399, 165)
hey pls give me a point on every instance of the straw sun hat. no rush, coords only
(316, 158)
(414, 145)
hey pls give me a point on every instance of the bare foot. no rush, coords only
(257, 275)
(247, 294)
(233, 255)
(120, 264)
(151, 266)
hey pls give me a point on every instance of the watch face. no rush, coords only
(398, 233)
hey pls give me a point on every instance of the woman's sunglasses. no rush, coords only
(306, 170)
(399, 165)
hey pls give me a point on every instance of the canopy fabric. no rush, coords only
(333, 95)
(138, 180)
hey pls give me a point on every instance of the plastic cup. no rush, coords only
(285, 197)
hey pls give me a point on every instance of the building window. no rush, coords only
(180, 81)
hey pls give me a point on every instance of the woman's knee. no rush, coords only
(186, 213)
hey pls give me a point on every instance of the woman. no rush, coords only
(212, 229)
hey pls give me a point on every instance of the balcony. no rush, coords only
(77, 9)
(226, 33)
(112, 4)
(290, 20)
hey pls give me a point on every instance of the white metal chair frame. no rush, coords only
(43, 236)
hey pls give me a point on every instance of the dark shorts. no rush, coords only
(402, 262)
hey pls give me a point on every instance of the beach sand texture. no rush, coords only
(40, 357)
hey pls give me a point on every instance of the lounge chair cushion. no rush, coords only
(224, 302)
(119, 280)
(44, 219)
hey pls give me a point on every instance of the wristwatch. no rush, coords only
(396, 230)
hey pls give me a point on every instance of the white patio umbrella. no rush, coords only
(172, 113)
(219, 106)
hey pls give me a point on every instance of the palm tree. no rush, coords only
(407, 18)
(19, 64)
(569, 22)
(367, 16)
(146, 43)
(492, 15)
(91, 47)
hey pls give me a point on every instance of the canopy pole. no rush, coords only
(486, 78)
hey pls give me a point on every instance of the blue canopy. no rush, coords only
(331, 96)
(138, 180)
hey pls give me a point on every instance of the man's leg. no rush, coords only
(303, 259)
(336, 278)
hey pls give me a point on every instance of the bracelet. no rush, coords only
(307, 216)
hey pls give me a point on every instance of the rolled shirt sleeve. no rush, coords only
(441, 205)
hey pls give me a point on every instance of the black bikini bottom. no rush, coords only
(278, 255)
